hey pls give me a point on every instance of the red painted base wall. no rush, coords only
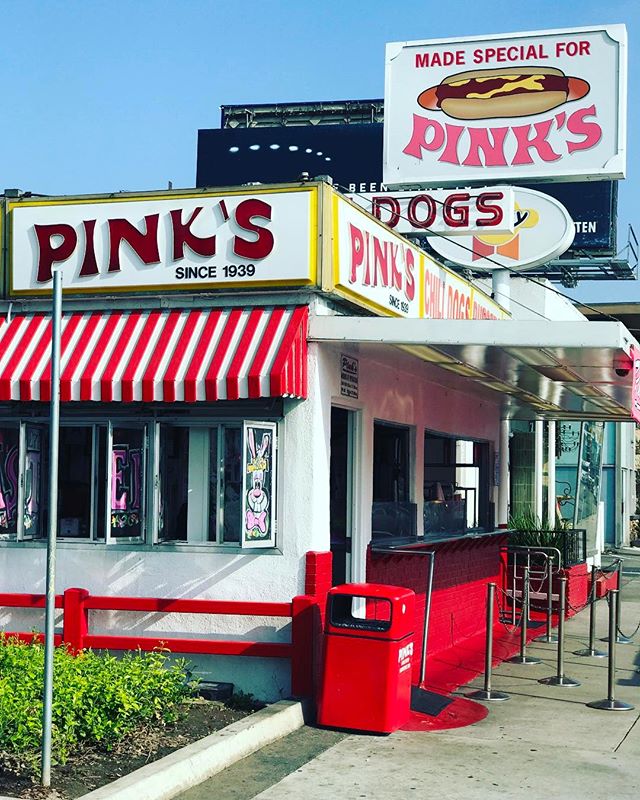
(462, 569)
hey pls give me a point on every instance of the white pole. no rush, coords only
(501, 287)
(537, 470)
(503, 474)
(551, 486)
(54, 430)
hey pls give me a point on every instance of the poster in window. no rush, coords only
(127, 466)
(589, 481)
(259, 484)
(32, 480)
(9, 480)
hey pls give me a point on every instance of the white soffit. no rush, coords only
(541, 367)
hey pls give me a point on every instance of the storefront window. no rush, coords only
(392, 514)
(201, 480)
(81, 450)
(456, 485)
(129, 482)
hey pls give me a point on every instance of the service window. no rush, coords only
(201, 483)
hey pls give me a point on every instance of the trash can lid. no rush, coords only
(379, 590)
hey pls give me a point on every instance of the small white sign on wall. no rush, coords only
(348, 376)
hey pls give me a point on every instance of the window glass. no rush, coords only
(174, 472)
(127, 482)
(9, 469)
(232, 484)
(75, 473)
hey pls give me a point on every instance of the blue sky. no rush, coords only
(108, 96)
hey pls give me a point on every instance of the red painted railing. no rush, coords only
(76, 604)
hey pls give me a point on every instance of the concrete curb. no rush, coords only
(179, 771)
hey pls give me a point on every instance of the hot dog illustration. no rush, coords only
(505, 92)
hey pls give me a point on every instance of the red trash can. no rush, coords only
(368, 649)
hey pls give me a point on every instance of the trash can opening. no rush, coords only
(360, 613)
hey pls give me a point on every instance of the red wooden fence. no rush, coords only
(76, 604)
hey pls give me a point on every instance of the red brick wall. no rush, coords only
(317, 582)
(462, 569)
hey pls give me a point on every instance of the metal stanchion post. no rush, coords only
(514, 566)
(591, 650)
(523, 658)
(560, 679)
(620, 638)
(610, 703)
(487, 693)
(549, 636)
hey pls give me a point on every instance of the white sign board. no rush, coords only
(540, 105)
(197, 241)
(543, 230)
(380, 270)
(450, 212)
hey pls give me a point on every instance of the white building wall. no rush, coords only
(393, 386)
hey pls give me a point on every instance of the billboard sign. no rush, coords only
(226, 158)
(546, 105)
(173, 241)
(443, 211)
(235, 156)
(543, 230)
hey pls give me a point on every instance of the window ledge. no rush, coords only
(162, 547)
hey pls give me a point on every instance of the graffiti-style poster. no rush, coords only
(259, 484)
(32, 481)
(126, 483)
(9, 449)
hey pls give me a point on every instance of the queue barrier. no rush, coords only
(77, 603)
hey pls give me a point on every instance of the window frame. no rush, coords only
(151, 421)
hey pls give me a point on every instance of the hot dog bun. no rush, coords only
(505, 92)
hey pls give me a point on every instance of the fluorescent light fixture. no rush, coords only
(585, 390)
(464, 369)
(429, 354)
(559, 374)
(499, 386)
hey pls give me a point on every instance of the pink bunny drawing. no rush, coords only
(256, 522)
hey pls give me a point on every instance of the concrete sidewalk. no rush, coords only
(543, 742)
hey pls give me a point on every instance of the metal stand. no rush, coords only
(560, 679)
(610, 703)
(549, 637)
(591, 651)
(487, 693)
(523, 658)
(620, 637)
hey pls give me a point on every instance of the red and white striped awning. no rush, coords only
(170, 355)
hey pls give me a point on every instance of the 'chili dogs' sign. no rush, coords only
(172, 241)
(382, 271)
(542, 105)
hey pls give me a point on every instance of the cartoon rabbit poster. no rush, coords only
(258, 500)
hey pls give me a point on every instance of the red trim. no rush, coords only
(268, 336)
(81, 345)
(158, 353)
(234, 373)
(86, 379)
(169, 381)
(9, 370)
(210, 382)
(106, 382)
(191, 375)
(128, 375)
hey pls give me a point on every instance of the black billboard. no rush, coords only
(352, 156)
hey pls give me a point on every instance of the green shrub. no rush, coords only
(98, 699)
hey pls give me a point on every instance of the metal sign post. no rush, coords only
(54, 429)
